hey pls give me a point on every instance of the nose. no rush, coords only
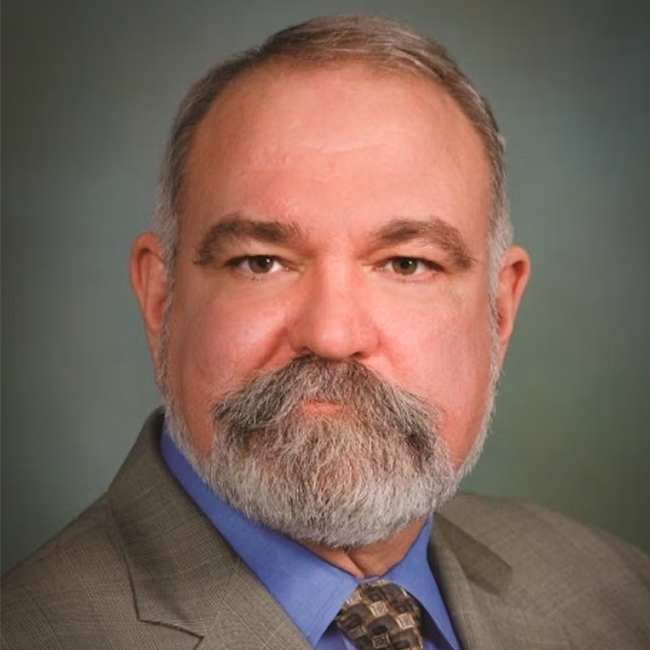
(333, 318)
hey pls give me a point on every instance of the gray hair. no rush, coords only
(380, 43)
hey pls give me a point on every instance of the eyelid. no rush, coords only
(235, 264)
(429, 264)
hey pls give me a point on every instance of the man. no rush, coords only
(328, 298)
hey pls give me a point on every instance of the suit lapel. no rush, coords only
(488, 609)
(250, 619)
(183, 573)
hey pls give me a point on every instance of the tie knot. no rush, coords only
(381, 616)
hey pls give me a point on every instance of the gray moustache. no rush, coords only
(270, 402)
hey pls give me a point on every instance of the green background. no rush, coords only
(89, 89)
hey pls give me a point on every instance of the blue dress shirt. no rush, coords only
(310, 590)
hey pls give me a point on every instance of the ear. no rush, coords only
(149, 282)
(513, 276)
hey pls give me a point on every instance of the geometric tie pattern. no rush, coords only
(381, 616)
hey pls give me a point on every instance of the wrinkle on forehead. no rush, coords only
(322, 108)
(279, 138)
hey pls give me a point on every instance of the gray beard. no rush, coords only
(347, 476)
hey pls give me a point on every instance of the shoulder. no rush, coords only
(76, 591)
(595, 585)
(88, 536)
(519, 531)
(67, 574)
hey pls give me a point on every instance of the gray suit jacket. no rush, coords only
(142, 568)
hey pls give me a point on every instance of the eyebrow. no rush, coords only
(430, 231)
(237, 227)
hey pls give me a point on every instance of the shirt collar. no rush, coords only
(310, 590)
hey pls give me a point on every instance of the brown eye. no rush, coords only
(255, 265)
(405, 265)
(260, 263)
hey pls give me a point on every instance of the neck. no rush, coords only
(374, 559)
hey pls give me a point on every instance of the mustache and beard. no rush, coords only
(346, 475)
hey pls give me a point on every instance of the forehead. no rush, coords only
(345, 140)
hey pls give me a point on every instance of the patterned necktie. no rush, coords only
(381, 616)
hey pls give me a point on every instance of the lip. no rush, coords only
(322, 407)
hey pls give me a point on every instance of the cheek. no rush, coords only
(216, 348)
(444, 356)
(464, 395)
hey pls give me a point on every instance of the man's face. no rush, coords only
(339, 215)
(377, 191)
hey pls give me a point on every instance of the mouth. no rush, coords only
(316, 407)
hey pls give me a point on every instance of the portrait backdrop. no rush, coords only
(89, 91)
